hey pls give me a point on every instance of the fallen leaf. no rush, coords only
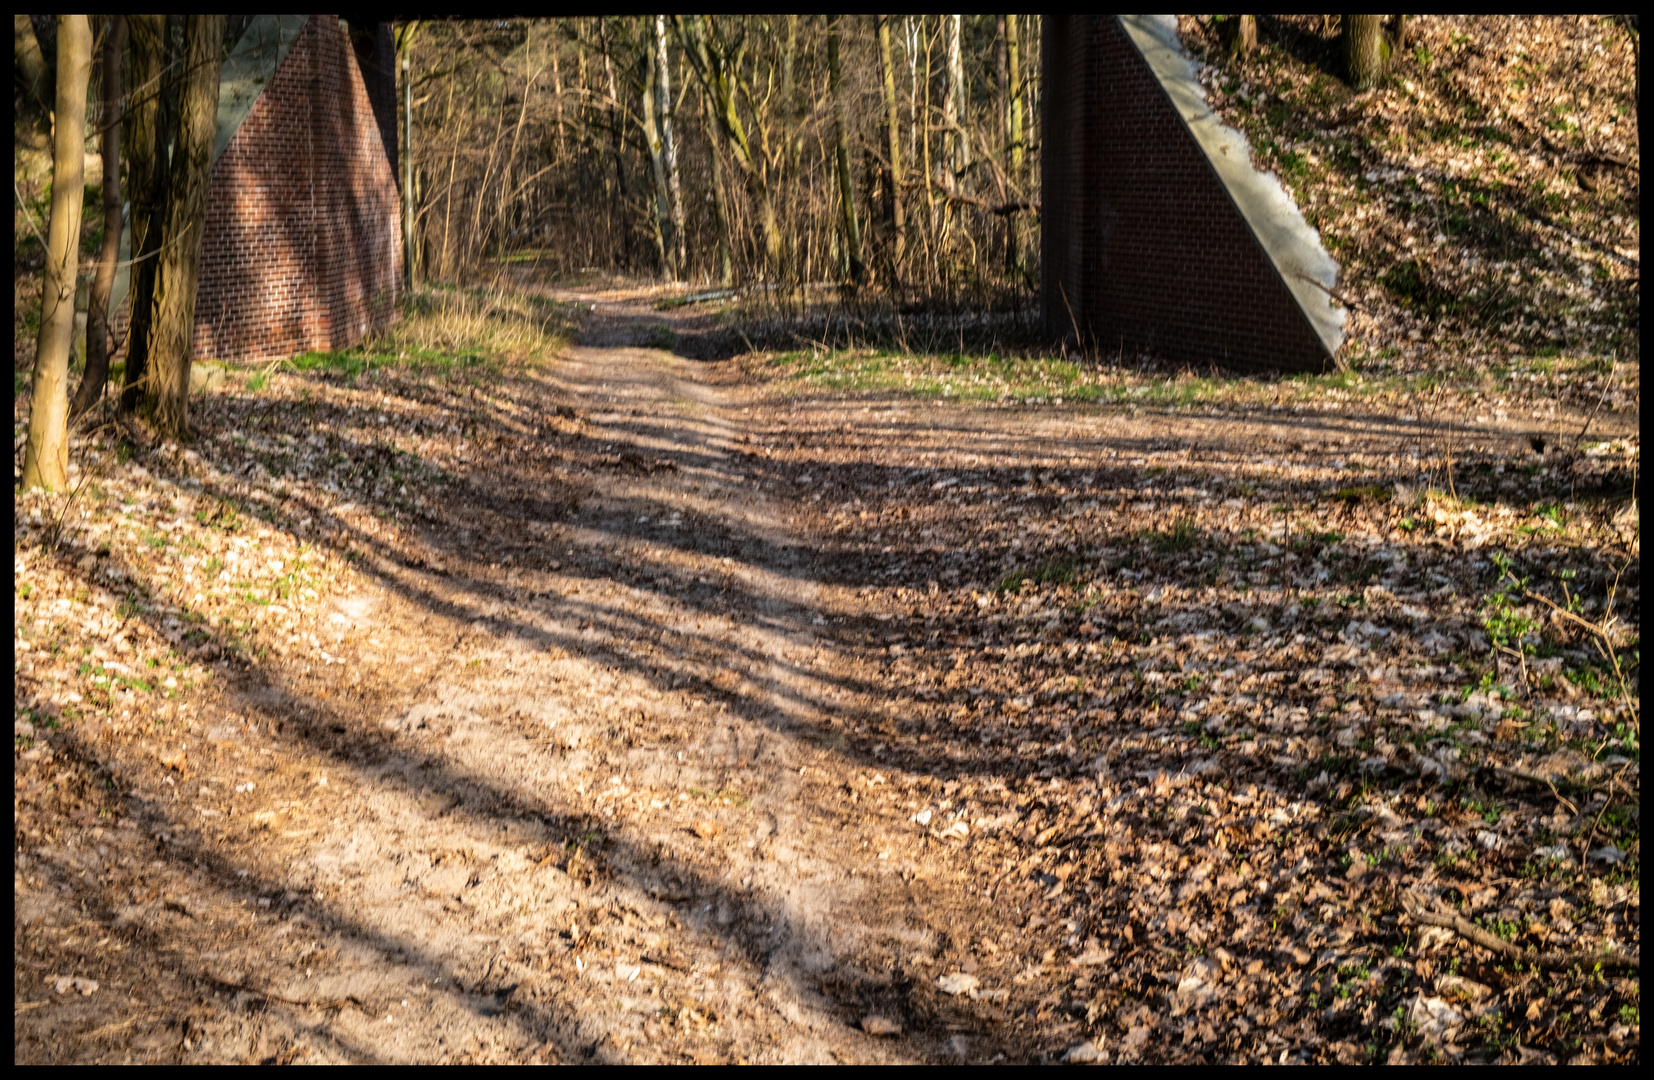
(1433, 1017)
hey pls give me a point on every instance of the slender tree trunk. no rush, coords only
(1002, 73)
(953, 101)
(676, 250)
(148, 133)
(1002, 114)
(616, 130)
(557, 92)
(726, 268)
(841, 156)
(98, 344)
(792, 146)
(46, 458)
(448, 196)
(1365, 50)
(657, 160)
(1013, 75)
(925, 149)
(893, 128)
(189, 186)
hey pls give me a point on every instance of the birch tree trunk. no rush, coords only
(98, 344)
(46, 458)
(657, 160)
(189, 183)
(841, 156)
(953, 101)
(669, 149)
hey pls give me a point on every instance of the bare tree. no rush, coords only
(717, 65)
(841, 156)
(893, 130)
(98, 343)
(918, 183)
(46, 459)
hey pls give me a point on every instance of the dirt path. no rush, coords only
(691, 726)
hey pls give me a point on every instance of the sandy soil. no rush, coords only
(606, 767)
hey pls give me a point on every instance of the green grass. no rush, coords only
(447, 332)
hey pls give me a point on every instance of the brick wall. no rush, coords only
(303, 247)
(1142, 247)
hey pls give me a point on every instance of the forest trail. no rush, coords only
(602, 821)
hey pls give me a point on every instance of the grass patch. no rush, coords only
(449, 332)
(1051, 571)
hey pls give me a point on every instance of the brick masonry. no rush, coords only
(303, 246)
(1143, 248)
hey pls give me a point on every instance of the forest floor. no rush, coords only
(610, 705)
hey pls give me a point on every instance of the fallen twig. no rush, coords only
(1426, 912)
(319, 1003)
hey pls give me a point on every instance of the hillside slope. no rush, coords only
(1483, 201)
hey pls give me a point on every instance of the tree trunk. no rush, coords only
(31, 66)
(953, 101)
(1242, 34)
(189, 182)
(1002, 112)
(1365, 50)
(657, 160)
(726, 269)
(98, 344)
(148, 132)
(841, 156)
(616, 130)
(669, 149)
(893, 126)
(46, 459)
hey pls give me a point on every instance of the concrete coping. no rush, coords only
(1290, 242)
